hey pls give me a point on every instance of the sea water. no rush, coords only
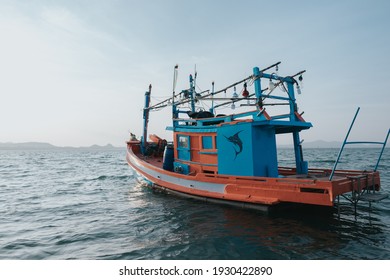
(84, 204)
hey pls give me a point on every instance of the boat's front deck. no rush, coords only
(314, 174)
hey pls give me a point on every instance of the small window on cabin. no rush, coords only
(183, 142)
(207, 142)
(215, 140)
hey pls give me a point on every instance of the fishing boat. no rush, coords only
(231, 157)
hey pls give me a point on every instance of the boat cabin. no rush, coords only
(242, 144)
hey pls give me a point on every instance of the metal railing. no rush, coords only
(358, 142)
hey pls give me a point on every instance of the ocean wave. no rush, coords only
(109, 177)
(79, 205)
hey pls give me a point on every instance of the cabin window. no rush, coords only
(183, 142)
(183, 147)
(207, 142)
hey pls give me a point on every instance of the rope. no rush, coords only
(250, 79)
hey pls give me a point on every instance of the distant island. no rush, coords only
(320, 144)
(48, 146)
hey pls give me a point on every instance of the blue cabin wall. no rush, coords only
(265, 159)
(239, 155)
(235, 149)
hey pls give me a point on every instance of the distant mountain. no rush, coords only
(322, 144)
(106, 147)
(48, 146)
(27, 145)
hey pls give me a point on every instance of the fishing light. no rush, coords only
(298, 89)
(245, 92)
(235, 95)
(271, 85)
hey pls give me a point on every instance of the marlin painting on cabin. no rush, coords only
(235, 140)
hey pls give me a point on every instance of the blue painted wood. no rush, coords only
(183, 147)
(257, 83)
(207, 142)
(247, 150)
(181, 168)
(168, 157)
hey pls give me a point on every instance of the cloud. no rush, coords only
(62, 18)
(76, 65)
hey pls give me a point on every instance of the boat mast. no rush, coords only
(146, 120)
(300, 163)
(175, 74)
(192, 92)
(212, 98)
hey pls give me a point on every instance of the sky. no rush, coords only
(74, 73)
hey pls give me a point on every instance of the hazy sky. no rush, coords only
(75, 72)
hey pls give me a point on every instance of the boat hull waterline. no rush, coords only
(247, 192)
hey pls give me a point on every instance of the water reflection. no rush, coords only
(198, 230)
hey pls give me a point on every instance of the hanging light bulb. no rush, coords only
(235, 95)
(271, 85)
(245, 92)
(298, 89)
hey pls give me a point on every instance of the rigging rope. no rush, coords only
(204, 94)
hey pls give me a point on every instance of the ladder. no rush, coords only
(364, 193)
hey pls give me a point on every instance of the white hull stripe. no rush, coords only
(190, 184)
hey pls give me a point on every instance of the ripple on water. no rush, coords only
(87, 205)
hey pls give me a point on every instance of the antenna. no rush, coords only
(175, 74)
